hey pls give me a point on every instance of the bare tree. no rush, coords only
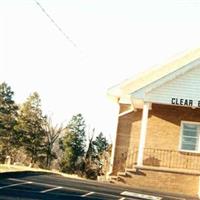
(52, 134)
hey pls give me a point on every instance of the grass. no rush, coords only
(11, 168)
(16, 168)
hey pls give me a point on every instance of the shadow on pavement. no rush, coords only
(23, 174)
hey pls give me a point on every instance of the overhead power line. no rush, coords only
(56, 25)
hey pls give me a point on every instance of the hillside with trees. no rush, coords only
(29, 138)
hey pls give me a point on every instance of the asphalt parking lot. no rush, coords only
(39, 185)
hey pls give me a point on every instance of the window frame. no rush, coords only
(181, 137)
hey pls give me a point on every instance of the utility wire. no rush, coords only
(56, 25)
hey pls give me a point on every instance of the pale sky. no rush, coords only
(116, 39)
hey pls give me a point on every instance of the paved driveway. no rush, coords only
(48, 186)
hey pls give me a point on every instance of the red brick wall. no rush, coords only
(163, 133)
(163, 129)
(167, 182)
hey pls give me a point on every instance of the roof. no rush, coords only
(124, 89)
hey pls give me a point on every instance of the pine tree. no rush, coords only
(73, 144)
(101, 144)
(93, 165)
(8, 120)
(31, 126)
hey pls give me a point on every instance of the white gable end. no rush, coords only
(184, 90)
(176, 82)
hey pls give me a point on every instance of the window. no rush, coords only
(190, 136)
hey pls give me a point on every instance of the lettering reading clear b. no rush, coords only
(173, 101)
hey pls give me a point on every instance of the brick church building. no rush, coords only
(157, 144)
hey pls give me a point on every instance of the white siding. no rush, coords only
(186, 86)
